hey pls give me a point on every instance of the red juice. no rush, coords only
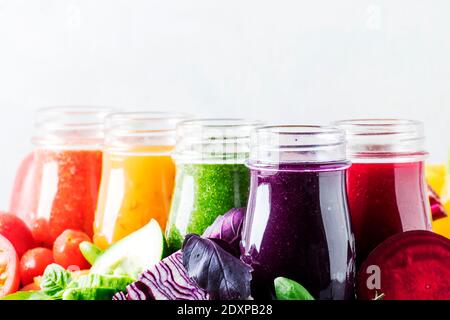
(57, 186)
(386, 199)
(65, 185)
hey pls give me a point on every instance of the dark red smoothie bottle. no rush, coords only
(297, 224)
(386, 183)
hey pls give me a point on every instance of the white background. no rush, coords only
(285, 61)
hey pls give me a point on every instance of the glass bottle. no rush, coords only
(211, 174)
(297, 224)
(57, 185)
(138, 174)
(386, 182)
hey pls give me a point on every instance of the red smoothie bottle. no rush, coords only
(386, 182)
(57, 185)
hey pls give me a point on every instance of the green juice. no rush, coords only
(202, 193)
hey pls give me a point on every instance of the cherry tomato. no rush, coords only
(9, 268)
(41, 232)
(66, 250)
(33, 264)
(17, 232)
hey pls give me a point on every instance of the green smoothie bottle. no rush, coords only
(211, 175)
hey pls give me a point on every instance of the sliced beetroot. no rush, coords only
(437, 209)
(414, 265)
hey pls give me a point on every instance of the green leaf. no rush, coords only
(287, 289)
(55, 281)
(27, 295)
(90, 251)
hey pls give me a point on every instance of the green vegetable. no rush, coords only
(286, 289)
(89, 294)
(27, 295)
(55, 281)
(133, 254)
(117, 283)
(58, 283)
(90, 251)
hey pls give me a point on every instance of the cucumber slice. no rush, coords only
(118, 283)
(90, 251)
(133, 254)
(89, 294)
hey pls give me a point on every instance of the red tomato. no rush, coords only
(9, 268)
(17, 232)
(33, 264)
(41, 232)
(66, 250)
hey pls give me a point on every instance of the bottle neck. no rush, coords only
(214, 141)
(143, 133)
(384, 140)
(70, 128)
(295, 145)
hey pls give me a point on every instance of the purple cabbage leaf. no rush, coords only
(167, 280)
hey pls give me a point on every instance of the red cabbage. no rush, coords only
(215, 270)
(120, 296)
(167, 280)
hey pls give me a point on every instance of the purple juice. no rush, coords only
(297, 226)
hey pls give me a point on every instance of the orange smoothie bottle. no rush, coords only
(138, 174)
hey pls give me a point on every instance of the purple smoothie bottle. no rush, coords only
(297, 223)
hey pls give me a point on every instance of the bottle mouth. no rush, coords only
(221, 140)
(126, 130)
(386, 139)
(72, 126)
(297, 144)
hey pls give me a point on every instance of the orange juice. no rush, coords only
(136, 188)
(138, 174)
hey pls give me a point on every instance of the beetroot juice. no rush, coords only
(386, 185)
(297, 224)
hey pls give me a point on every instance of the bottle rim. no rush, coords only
(386, 139)
(123, 130)
(297, 144)
(214, 140)
(70, 126)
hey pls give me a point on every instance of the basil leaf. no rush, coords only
(55, 280)
(228, 228)
(287, 289)
(27, 295)
(219, 273)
